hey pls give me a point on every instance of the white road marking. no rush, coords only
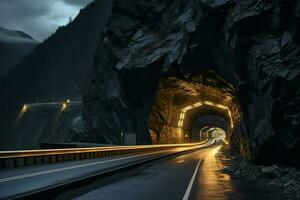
(189, 188)
(12, 178)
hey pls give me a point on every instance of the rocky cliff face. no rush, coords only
(14, 45)
(252, 44)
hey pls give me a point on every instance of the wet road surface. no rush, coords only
(192, 176)
(22, 181)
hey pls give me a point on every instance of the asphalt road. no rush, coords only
(19, 181)
(196, 175)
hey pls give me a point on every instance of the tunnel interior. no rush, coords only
(181, 102)
(206, 123)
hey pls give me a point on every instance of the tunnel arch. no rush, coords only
(203, 108)
(181, 101)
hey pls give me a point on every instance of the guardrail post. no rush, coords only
(66, 157)
(45, 159)
(71, 157)
(53, 159)
(20, 162)
(9, 163)
(38, 160)
(29, 161)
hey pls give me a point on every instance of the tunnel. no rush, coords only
(181, 102)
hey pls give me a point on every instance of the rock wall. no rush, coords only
(252, 44)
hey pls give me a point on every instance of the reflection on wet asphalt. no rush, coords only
(169, 179)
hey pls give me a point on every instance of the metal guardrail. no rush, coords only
(11, 159)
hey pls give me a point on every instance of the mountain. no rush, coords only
(14, 45)
(55, 70)
(157, 53)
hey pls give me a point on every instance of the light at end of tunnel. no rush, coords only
(68, 101)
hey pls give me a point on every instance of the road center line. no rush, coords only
(189, 188)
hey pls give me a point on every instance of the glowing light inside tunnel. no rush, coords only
(198, 104)
(209, 103)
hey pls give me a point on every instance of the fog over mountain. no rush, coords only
(14, 45)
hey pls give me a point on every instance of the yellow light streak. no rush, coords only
(189, 107)
(183, 111)
(198, 104)
(230, 117)
(25, 108)
(209, 103)
(226, 142)
(221, 106)
(64, 107)
(181, 116)
(180, 123)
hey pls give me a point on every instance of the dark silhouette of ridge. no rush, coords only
(55, 70)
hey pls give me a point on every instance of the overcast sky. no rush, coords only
(38, 18)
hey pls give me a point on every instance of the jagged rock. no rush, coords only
(271, 171)
(79, 126)
(252, 44)
(288, 183)
(277, 182)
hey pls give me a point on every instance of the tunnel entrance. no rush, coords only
(181, 101)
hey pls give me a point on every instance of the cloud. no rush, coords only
(38, 18)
